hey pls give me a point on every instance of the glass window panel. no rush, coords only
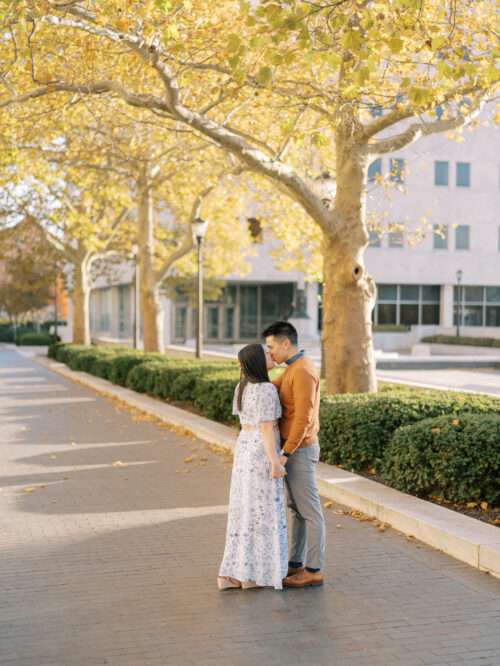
(462, 233)
(441, 173)
(374, 170)
(374, 238)
(473, 315)
(376, 111)
(386, 313)
(387, 292)
(409, 292)
(276, 303)
(408, 314)
(248, 309)
(180, 323)
(493, 294)
(463, 174)
(431, 293)
(229, 296)
(440, 236)
(396, 239)
(473, 294)
(229, 323)
(493, 315)
(430, 314)
(397, 170)
(213, 323)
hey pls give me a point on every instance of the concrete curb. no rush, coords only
(464, 538)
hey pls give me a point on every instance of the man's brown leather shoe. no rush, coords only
(304, 578)
(294, 570)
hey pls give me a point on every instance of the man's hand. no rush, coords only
(283, 460)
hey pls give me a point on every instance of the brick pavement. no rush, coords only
(110, 542)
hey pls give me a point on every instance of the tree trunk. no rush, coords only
(150, 303)
(81, 300)
(349, 291)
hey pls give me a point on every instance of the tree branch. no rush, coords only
(416, 130)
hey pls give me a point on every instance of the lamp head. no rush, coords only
(199, 228)
(459, 275)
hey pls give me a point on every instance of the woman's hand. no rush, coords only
(277, 470)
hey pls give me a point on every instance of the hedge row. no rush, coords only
(35, 339)
(454, 340)
(388, 431)
(453, 457)
(161, 376)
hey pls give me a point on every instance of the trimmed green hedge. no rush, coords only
(356, 428)
(213, 394)
(454, 340)
(35, 339)
(456, 458)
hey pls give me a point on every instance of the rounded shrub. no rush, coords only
(356, 428)
(213, 394)
(35, 339)
(142, 378)
(453, 457)
(122, 364)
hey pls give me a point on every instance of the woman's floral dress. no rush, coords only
(256, 539)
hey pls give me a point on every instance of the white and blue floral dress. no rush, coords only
(256, 538)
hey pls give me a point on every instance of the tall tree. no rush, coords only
(420, 68)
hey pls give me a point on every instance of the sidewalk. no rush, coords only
(112, 528)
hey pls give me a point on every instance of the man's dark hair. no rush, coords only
(282, 329)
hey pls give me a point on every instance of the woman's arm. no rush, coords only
(269, 439)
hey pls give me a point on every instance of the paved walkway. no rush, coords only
(110, 542)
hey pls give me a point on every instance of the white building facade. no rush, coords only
(445, 191)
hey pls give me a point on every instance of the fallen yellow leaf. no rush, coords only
(471, 505)
(328, 504)
(339, 526)
(189, 459)
(118, 463)
(29, 490)
(484, 506)
(456, 422)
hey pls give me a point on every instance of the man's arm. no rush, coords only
(304, 387)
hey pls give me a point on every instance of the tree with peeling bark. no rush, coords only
(170, 175)
(418, 67)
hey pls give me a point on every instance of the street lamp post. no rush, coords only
(135, 322)
(459, 300)
(199, 228)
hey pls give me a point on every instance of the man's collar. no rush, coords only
(295, 357)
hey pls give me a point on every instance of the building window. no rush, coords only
(180, 320)
(471, 306)
(375, 171)
(397, 172)
(441, 173)
(374, 240)
(462, 237)
(463, 174)
(255, 230)
(492, 306)
(104, 310)
(376, 111)
(123, 296)
(396, 239)
(407, 304)
(440, 236)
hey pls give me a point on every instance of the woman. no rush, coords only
(256, 541)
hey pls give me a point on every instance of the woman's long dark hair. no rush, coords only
(253, 364)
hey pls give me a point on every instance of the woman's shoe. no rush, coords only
(248, 585)
(228, 583)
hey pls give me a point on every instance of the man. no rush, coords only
(299, 390)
